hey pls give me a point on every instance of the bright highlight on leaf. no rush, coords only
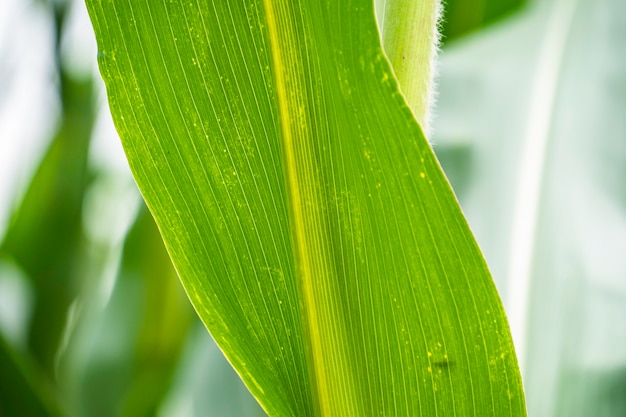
(305, 213)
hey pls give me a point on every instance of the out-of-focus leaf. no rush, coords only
(206, 384)
(557, 73)
(23, 390)
(303, 209)
(45, 236)
(464, 16)
(134, 347)
(166, 318)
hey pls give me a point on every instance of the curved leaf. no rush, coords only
(304, 211)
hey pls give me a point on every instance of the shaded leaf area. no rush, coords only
(25, 391)
(126, 356)
(462, 17)
(307, 217)
(575, 340)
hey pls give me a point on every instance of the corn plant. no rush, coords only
(280, 147)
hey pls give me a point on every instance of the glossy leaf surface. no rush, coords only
(303, 209)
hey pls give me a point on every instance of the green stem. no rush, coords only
(410, 39)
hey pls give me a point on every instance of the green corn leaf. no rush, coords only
(303, 208)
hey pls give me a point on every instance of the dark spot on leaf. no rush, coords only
(445, 364)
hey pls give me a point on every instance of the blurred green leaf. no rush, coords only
(45, 235)
(206, 384)
(166, 318)
(24, 390)
(540, 101)
(133, 348)
(305, 212)
(462, 17)
(45, 240)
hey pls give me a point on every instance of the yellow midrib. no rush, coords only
(304, 263)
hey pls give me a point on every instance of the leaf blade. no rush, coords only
(337, 155)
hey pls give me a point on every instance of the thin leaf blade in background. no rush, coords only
(45, 236)
(571, 320)
(303, 209)
(122, 360)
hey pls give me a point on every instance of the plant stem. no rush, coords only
(410, 37)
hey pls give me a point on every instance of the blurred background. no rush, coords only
(530, 128)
